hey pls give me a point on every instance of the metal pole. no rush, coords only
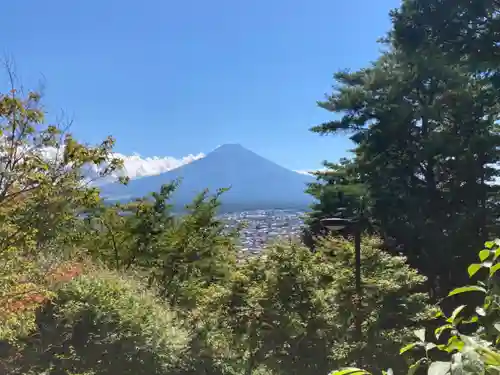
(359, 318)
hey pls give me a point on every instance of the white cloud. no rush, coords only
(136, 166)
(304, 172)
(310, 172)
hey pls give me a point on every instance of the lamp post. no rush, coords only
(337, 224)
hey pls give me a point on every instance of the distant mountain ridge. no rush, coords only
(254, 182)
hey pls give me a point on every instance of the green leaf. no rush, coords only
(497, 253)
(465, 289)
(489, 356)
(408, 347)
(496, 368)
(439, 330)
(414, 367)
(474, 319)
(455, 313)
(438, 314)
(473, 268)
(420, 333)
(454, 343)
(484, 254)
(350, 371)
(497, 326)
(494, 269)
(487, 302)
(489, 244)
(439, 368)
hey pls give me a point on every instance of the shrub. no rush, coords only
(467, 339)
(290, 311)
(391, 302)
(104, 323)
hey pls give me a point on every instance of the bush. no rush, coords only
(467, 339)
(180, 255)
(390, 302)
(104, 323)
(43, 190)
(290, 311)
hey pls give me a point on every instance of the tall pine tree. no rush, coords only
(426, 140)
(339, 191)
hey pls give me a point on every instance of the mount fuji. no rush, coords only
(254, 182)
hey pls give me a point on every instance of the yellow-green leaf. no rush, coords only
(414, 367)
(407, 347)
(494, 269)
(484, 254)
(455, 313)
(473, 268)
(439, 330)
(466, 289)
(350, 371)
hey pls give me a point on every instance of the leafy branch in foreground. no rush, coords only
(467, 341)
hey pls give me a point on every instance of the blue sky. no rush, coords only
(177, 78)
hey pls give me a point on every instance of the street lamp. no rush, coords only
(337, 224)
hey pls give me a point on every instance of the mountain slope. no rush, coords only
(255, 182)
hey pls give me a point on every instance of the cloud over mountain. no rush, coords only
(136, 166)
(254, 182)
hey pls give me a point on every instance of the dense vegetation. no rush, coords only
(92, 288)
(423, 119)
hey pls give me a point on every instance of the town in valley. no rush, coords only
(264, 226)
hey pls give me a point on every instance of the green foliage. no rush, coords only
(101, 322)
(180, 255)
(104, 323)
(390, 303)
(290, 311)
(466, 341)
(426, 140)
(339, 191)
(423, 119)
(42, 192)
(197, 251)
(465, 30)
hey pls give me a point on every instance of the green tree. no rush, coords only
(102, 323)
(391, 303)
(339, 190)
(196, 252)
(43, 190)
(466, 340)
(463, 30)
(291, 312)
(179, 254)
(426, 140)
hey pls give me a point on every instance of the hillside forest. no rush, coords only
(89, 288)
